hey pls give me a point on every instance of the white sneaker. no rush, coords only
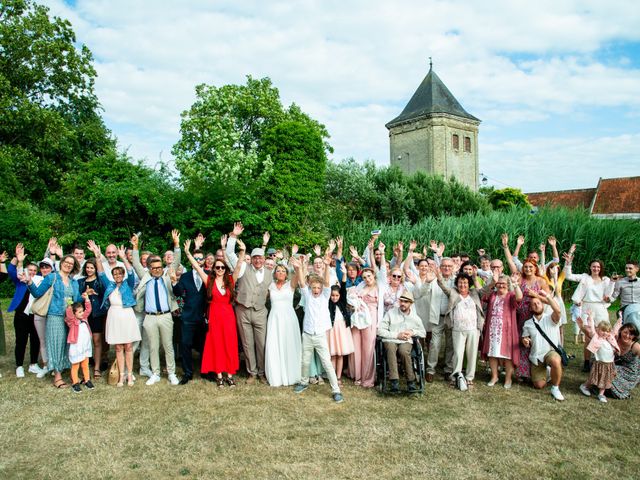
(584, 390)
(34, 368)
(173, 380)
(153, 379)
(20, 372)
(146, 372)
(43, 372)
(555, 393)
(602, 399)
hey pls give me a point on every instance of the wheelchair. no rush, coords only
(417, 360)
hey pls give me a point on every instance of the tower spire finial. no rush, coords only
(430, 64)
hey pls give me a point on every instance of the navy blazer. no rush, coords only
(195, 302)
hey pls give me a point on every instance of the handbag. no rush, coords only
(41, 305)
(114, 374)
(558, 348)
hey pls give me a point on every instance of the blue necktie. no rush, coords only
(156, 290)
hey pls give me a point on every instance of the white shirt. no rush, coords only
(539, 345)
(605, 353)
(317, 319)
(465, 316)
(259, 273)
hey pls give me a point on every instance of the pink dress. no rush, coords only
(500, 337)
(340, 337)
(362, 365)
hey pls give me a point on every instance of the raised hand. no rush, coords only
(433, 246)
(332, 245)
(199, 241)
(381, 247)
(24, 276)
(295, 262)
(481, 252)
(187, 246)
(51, 243)
(238, 228)
(505, 240)
(3, 257)
(223, 241)
(543, 248)
(265, 238)
(122, 253)
(568, 257)
(294, 249)
(441, 248)
(552, 241)
(175, 235)
(91, 245)
(516, 278)
(339, 242)
(520, 240)
(353, 251)
(241, 245)
(135, 241)
(412, 245)
(317, 250)
(172, 275)
(572, 249)
(401, 246)
(343, 269)
(20, 255)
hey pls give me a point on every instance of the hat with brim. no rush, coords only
(257, 252)
(271, 251)
(408, 296)
(46, 262)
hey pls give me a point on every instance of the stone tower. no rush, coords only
(434, 134)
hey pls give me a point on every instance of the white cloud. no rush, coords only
(543, 164)
(353, 65)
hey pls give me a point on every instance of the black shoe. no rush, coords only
(395, 386)
(184, 380)
(412, 387)
(76, 388)
(89, 385)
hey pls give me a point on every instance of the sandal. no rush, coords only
(220, 382)
(97, 374)
(231, 382)
(60, 383)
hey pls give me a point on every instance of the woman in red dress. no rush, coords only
(220, 353)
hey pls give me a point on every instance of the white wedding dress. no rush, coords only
(283, 350)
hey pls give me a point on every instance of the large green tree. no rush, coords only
(49, 113)
(294, 189)
(221, 157)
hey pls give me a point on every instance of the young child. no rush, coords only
(315, 326)
(340, 339)
(576, 313)
(79, 340)
(603, 346)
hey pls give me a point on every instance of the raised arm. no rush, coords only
(194, 262)
(137, 266)
(297, 266)
(123, 256)
(175, 235)
(409, 261)
(230, 249)
(507, 253)
(240, 260)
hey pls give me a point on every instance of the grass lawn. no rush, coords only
(200, 431)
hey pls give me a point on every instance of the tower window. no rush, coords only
(456, 141)
(467, 144)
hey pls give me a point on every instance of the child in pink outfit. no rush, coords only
(603, 345)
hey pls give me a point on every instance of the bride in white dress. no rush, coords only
(283, 348)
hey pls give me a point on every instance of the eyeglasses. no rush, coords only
(219, 267)
(71, 264)
(493, 267)
(155, 268)
(198, 259)
(396, 276)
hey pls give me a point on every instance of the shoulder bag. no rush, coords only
(558, 348)
(40, 305)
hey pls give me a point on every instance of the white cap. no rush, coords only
(257, 252)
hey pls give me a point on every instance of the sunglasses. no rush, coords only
(396, 276)
(219, 267)
(198, 259)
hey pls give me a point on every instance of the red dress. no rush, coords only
(221, 345)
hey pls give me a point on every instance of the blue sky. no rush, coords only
(555, 83)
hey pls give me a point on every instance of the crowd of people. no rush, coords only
(301, 319)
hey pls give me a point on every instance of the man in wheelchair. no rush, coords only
(396, 330)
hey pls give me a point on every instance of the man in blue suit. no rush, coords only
(194, 292)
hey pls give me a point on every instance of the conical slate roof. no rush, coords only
(432, 96)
